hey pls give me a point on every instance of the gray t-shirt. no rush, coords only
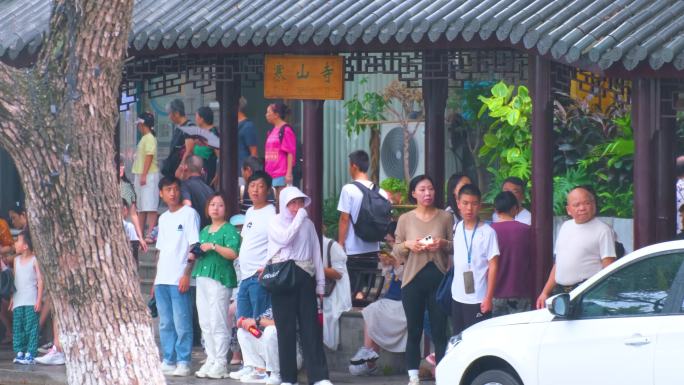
(580, 249)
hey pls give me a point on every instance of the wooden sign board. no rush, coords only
(304, 77)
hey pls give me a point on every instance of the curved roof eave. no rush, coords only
(623, 35)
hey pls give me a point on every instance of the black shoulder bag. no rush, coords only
(278, 277)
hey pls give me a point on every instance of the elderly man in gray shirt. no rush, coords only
(584, 245)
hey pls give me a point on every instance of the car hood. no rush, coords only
(528, 317)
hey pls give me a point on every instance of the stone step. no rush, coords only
(149, 256)
(146, 285)
(351, 339)
(146, 269)
(147, 265)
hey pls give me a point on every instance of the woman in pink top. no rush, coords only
(281, 146)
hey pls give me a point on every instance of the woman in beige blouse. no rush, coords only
(424, 244)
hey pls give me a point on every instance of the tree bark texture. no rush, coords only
(57, 122)
(374, 146)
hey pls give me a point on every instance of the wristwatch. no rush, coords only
(258, 321)
(213, 246)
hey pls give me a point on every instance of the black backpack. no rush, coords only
(297, 166)
(375, 215)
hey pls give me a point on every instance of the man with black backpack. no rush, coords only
(365, 214)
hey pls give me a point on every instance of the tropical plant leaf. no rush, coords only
(500, 90)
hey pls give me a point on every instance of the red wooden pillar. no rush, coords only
(228, 96)
(312, 178)
(665, 175)
(645, 98)
(542, 169)
(435, 92)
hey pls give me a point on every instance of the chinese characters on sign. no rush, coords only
(304, 77)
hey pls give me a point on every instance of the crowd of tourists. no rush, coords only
(262, 289)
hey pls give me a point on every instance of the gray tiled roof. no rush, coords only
(601, 32)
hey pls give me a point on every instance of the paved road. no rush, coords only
(11, 374)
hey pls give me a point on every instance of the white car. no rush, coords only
(623, 326)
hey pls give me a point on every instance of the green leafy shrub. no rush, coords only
(597, 144)
(394, 186)
(331, 217)
(507, 142)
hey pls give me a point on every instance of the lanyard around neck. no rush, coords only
(472, 237)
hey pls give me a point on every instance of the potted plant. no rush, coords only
(395, 188)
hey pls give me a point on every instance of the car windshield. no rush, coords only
(640, 288)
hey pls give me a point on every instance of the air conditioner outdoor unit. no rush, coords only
(392, 151)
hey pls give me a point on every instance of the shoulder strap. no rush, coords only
(363, 187)
(330, 244)
(281, 133)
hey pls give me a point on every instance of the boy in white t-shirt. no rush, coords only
(178, 231)
(476, 258)
(26, 301)
(129, 228)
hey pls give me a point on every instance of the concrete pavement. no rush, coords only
(13, 374)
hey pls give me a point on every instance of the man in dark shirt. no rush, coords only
(176, 111)
(194, 190)
(513, 291)
(247, 140)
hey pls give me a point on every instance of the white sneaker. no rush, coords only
(238, 374)
(363, 355)
(45, 348)
(204, 369)
(218, 371)
(168, 369)
(182, 370)
(323, 382)
(52, 357)
(256, 377)
(414, 381)
(274, 379)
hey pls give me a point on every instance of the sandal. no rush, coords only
(152, 236)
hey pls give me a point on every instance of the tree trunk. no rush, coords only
(375, 154)
(406, 152)
(57, 123)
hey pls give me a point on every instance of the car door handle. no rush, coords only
(637, 340)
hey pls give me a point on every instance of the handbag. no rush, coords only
(279, 276)
(329, 282)
(443, 294)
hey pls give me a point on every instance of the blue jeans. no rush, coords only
(252, 298)
(175, 323)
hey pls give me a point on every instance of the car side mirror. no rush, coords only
(559, 305)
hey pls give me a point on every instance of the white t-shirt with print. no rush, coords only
(254, 247)
(580, 249)
(350, 203)
(177, 231)
(484, 248)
